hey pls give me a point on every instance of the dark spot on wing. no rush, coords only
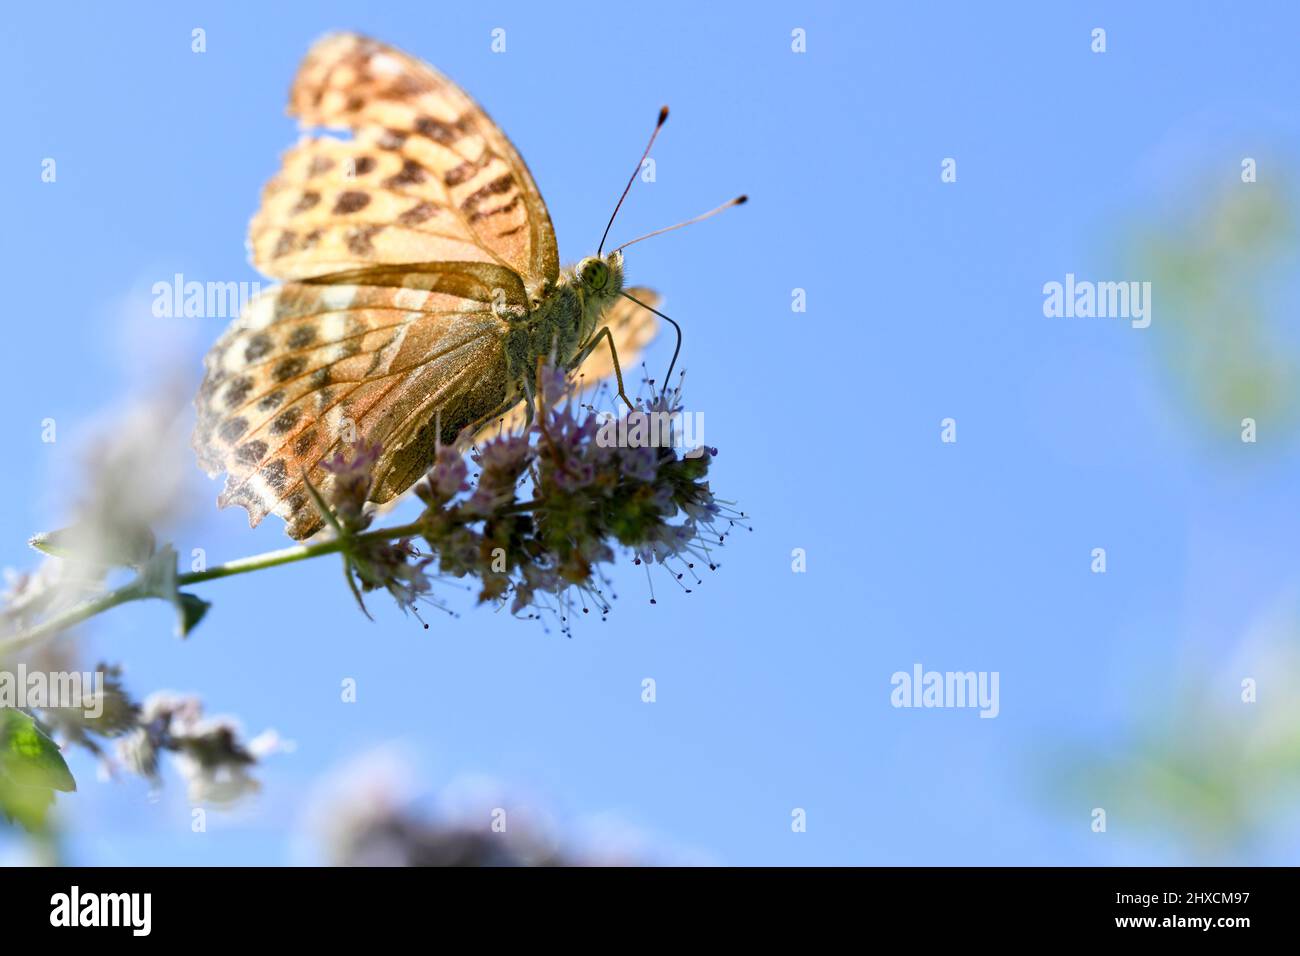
(251, 452)
(275, 475)
(411, 173)
(258, 346)
(288, 367)
(232, 429)
(284, 245)
(306, 201)
(270, 401)
(417, 214)
(238, 390)
(437, 130)
(301, 337)
(502, 184)
(286, 420)
(358, 239)
(350, 202)
(466, 170)
(485, 213)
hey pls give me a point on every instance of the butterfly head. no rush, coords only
(599, 279)
(601, 276)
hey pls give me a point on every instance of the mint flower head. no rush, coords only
(544, 508)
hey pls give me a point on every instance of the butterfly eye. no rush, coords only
(594, 274)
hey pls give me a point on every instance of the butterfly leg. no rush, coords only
(613, 353)
(530, 405)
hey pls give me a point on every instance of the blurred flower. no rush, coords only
(116, 713)
(30, 595)
(132, 476)
(135, 471)
(371, 812)
(208, 751)
(367, 813)
(401, 840)
(213, 762)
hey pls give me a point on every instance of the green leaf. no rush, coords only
(51, 543)
(158, 579)
(192, 609)
(28, 757)
(31, 770)
(127, 546)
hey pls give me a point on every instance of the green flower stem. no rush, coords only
(302, 552)
(133, 592)
(71, 617)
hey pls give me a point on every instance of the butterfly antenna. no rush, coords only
(738, 201)
(676, 349)
(663, 118)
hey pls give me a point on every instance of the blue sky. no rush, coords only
(924, 301)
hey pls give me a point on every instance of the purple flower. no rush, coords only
(446, 478)
(353, 474)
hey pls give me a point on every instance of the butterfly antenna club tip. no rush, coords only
(738, 201)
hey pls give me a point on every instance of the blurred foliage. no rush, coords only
(1199, 764)
(1204, 765)
(1219, 270)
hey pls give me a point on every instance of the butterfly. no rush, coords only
(421, 287)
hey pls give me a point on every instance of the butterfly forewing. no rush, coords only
(427, 176)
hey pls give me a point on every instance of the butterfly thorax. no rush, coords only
(564, 319)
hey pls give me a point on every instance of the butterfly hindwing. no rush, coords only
(310, 368)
